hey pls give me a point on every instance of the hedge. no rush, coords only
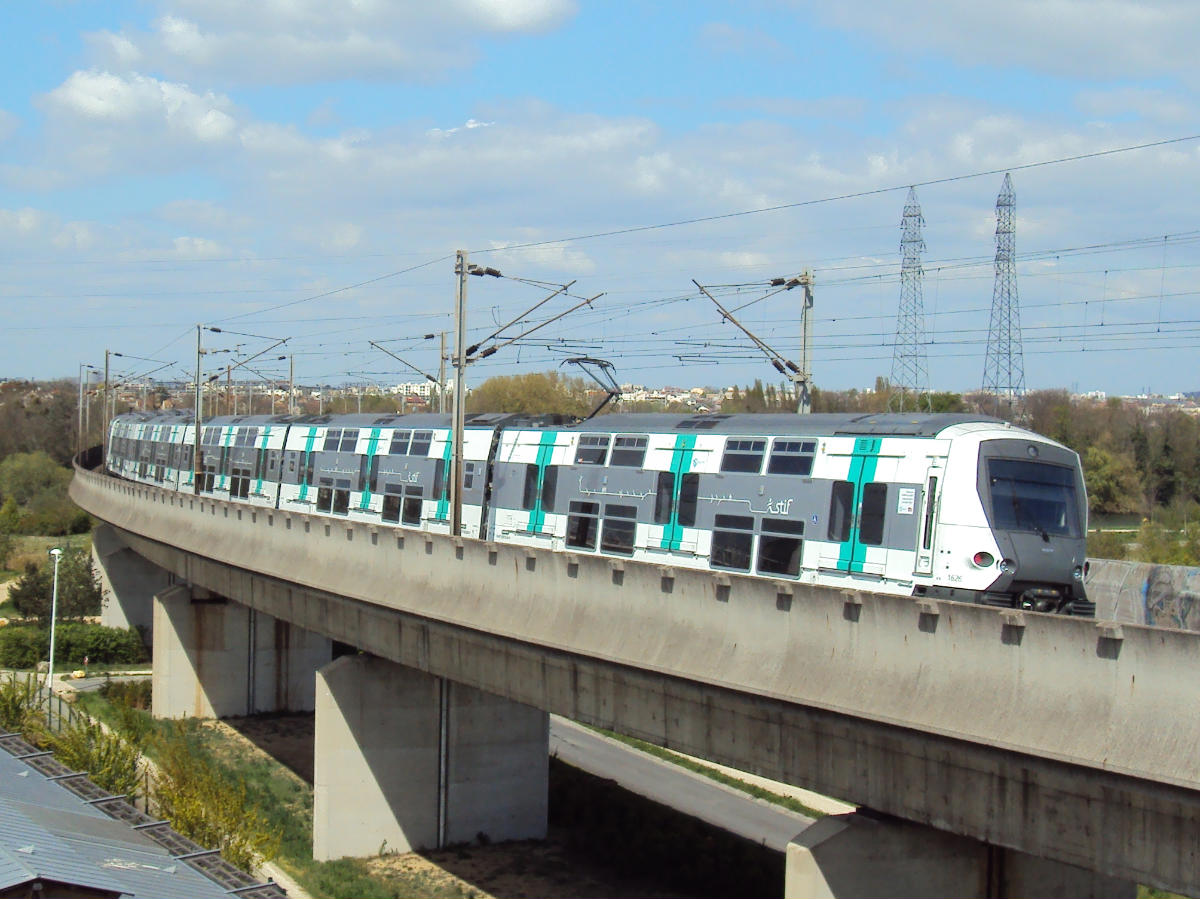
(23, 646)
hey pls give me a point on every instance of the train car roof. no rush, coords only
(895, 424)
(898, 424)
(821, 424)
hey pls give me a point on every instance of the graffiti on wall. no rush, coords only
(1171, 597)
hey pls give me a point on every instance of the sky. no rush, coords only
(307, 169)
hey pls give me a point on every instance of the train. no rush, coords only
(949, 506)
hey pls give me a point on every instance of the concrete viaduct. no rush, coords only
(1000, 753)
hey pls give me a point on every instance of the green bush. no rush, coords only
(130, 694)
(101, 645)
(23, 647)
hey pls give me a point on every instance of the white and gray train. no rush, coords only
(950, 506)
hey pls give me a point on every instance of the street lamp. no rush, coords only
(56, 554)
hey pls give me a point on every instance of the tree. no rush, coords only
(78, 588)
(24, 476)
(531, 394)
(33, 490)
(1112, 481)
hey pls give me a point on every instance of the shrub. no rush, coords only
(110, 760)
(206, 806)
(100, 645)
(19, 703)
(23, 647)
(129, 694)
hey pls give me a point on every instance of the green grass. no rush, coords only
(284, 800)
(788, 802)
(36, 549)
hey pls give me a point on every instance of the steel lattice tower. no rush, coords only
(910, 368)
(1004, 366)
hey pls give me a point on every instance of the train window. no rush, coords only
(468, 475)
(439, 479)
(927, 538)
(620, 527)
(549, 488)
(583, 524)
(239, 485)
(373, 474)
(245, 436)
(420, 443)
(333, 437)
(364, 465)
(688, 492)
(841, 511)
(664, 497)
(529, 497)
(593, 449)
(341, 498)
(792, 457)
(325, 495)
(743, 455)
(412, 505)
(733, 537)
(1033, 496)
(628, 451)
(391, 506)
(779, 546)
(349, 439)
(874, 505)
(400, 441)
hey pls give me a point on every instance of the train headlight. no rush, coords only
(1008, 566)
(983, 559)
(1078, 573)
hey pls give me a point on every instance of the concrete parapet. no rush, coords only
(1145, 593)
(405, 760)
(860, 854)
(214, 658)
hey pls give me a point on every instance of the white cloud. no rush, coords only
(306, 41)
(122, 100)
(197, 248)
(22, 221)
(1106, 39)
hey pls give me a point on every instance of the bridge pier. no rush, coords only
(128, 582)
(862, 854)
(405, 760)
(214, 658)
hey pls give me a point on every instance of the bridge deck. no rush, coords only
(1062, 737)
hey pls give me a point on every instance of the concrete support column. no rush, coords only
(405, 760)
(214, 658)
(127, 582)
(860, 854)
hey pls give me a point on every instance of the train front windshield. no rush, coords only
(1034, 496)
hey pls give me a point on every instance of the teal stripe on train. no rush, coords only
(863, 465)
(304, 457)
(537, 515)
(681, 464)
(443, 500)
(372, 446)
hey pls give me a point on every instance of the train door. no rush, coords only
(675, 499)
(857, 511)
(927, 535)
(541, 486)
